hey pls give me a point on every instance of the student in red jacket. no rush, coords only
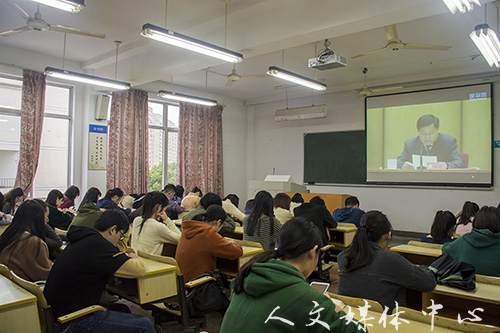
(201, 244)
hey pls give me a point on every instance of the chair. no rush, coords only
(184, 293)
(45, 311)
(4, 270)
(466, 326)
(355, 302)
(322, 270)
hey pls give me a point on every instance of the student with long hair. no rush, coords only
(201, 244)
(272, 286)
(281, 207)
(481, 246)
(442, 228)
(11, 199)
(22, 245)
(466, 217)
(368, 270)
(316, 212)
(261, 226)
(113, 197)
(58, 218)
(148, 234)
(88, 212)
(4, 218)
(52, 239)
(70, 196)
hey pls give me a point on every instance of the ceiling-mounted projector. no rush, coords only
(328, 62)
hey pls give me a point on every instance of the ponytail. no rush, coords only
(373, 226)
(295, 238)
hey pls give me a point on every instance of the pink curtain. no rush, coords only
(32, 110)
(200, 148)
(128, 142)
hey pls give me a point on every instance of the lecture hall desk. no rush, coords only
(18, 309)
(342, 235)
(419, 255)
(158, 283)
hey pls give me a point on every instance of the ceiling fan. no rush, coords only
(233, 76)
(396, 44)
(365, 91)
(36, 23)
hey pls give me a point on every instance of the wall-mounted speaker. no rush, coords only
(101, 109)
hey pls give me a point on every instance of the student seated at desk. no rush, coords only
(11, 200)
(201, 244)
(271, 294)
(4, 218)
(466, 217)
(208, 200)
(113, 197)
(350, 213)
(481, 247)
(296, 201)
(52, 239)
(88, 212)
(368, 270)
(316, 212)
(173, 208)
(81, 271)
(192, 200)
(261, 226)
(442, 228)
(281, 207)
(59, 218)
(149, 234)
(70, 195)
(22, 245)
(230, 204)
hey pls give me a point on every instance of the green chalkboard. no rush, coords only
(335, 157)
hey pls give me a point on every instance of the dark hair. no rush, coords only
(297, 197)
(233, 198)
(249, 206)
(210, 199)
(282, 200)
(72, 192)
(468, 211)
(179, 191)
(1, 200)
(317, 201)
(488, 218)
(443, 222)
(111, 193)
(213, 213)
(11, 196)
(263, 205)
(149, 203)
(197, 190)
(169, 187)
(41, 203)
(30, 216)
(91, 196)
(372, 227)
(53, 196)
(426, 120)
(295, 238)
(351, 202)
(110, 218)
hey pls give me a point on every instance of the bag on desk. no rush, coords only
(454, 273)
(206, 297)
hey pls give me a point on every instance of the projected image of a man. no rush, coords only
(430, 142)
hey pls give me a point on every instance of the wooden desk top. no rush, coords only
(249, 248)
(155, 267)
(345, 227)
(13, 295)
(412, 249)
(488, 293)
(238, 230)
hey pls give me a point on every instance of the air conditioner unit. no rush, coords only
(308, 112)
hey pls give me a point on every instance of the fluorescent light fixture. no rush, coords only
(72, 6)
(461, 5)
(186, 98)
(85, 78)
(488, 44)
(176, 39)
(296, 78)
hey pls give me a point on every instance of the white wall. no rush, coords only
(280, 145)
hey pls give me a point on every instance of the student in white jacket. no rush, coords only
(148, 233)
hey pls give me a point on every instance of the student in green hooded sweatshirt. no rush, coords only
(88, 212)
(271, 294)
(481, 246)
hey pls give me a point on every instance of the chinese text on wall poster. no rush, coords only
(98, 152)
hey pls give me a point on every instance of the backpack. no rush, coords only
(207, 297)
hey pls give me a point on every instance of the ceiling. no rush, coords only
(283, 33)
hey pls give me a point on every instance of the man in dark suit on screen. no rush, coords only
(430, 142)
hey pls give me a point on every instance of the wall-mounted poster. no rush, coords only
(98, 147)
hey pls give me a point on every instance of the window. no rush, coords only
(53, 164)
(163, 142)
